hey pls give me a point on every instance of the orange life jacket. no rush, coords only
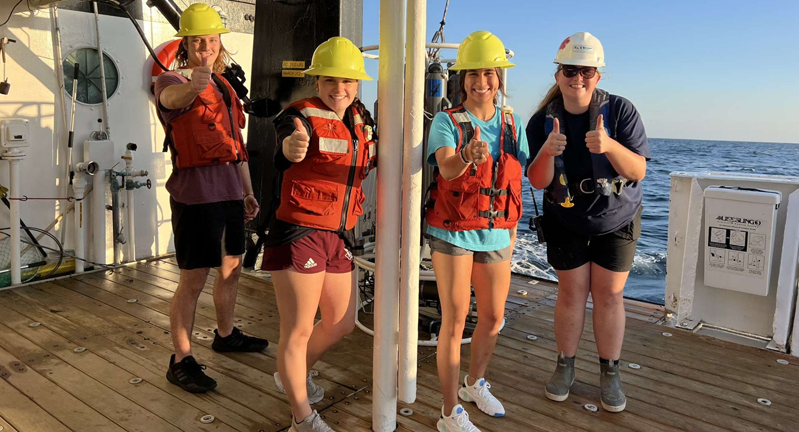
(488, 195)
(210, 132)
(324, 190)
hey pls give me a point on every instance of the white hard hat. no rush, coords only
(581, 49)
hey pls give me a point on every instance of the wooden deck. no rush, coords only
(686, 382)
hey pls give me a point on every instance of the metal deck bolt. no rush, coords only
(407, 412)
(783, 361)
(522, 292)
(207, 419)
(764, 402)
(133, 300)
(532, 337)
(667, 334)
(79, 350)
(135, 380)
(34, 324)
(591, 407)
(634, 366)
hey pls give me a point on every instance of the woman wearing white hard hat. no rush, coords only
(591, 154)
(479, 151)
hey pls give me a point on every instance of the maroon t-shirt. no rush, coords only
(200, 185)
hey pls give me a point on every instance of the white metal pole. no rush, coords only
(130, 225)
(79, 185)
(101, 58)
(413, 157)
(16, 271)
(99, 218)
(389, 181)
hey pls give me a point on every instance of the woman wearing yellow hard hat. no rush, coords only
(591, 153)
(326, 148)
(210, 190)
(479, 152)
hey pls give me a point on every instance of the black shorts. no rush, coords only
(567, 250)
(204, 233)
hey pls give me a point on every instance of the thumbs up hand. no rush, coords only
(598, 141)
(556, 141)
(295, 146)
(201, 76)
(476, 151)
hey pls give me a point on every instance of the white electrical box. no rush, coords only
(14, 133)
(739, 238)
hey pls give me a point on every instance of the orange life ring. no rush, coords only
(166, 56)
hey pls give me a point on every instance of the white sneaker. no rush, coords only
(479, 393)
(315, 393)
(312, 423)
(457, 422)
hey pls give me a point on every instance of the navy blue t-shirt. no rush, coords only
(592, 214)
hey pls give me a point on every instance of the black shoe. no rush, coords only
(238, 342)
(188, 375)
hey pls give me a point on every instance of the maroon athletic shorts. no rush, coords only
(317, 252)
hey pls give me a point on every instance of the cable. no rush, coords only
(11, 13)
(439, 35)
(138, 28)
(60, 251)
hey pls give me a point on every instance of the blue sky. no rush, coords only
(718, 70)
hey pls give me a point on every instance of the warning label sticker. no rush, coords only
(293, 64)
(734, 246)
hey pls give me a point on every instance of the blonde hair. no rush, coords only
(554, 92)
(182, 56)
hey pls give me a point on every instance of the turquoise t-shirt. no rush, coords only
(444, 133)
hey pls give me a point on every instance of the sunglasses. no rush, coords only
(572, 71)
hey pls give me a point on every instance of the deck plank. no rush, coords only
(114, 406)
(24, 415)
(66, 322)
(687, 382)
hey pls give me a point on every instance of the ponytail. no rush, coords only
(553, 93)
(366, 116)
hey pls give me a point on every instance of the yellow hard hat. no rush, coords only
(481, 50)
(200, 19)
(338, 57)
(581, 49)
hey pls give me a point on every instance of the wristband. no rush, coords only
(463, 159)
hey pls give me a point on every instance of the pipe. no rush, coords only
(130, 204)
(99, 217)
(169, 10)
(389, 180)
(118, 237)
(429, 45)
(78, 186)
(59, 60)
(413, 156)
(101, 60)
(16, 270)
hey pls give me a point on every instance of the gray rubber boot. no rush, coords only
(611, 394)
(562, 379)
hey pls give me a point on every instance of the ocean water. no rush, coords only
(647, 279)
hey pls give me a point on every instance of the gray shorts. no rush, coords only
(490, 257)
